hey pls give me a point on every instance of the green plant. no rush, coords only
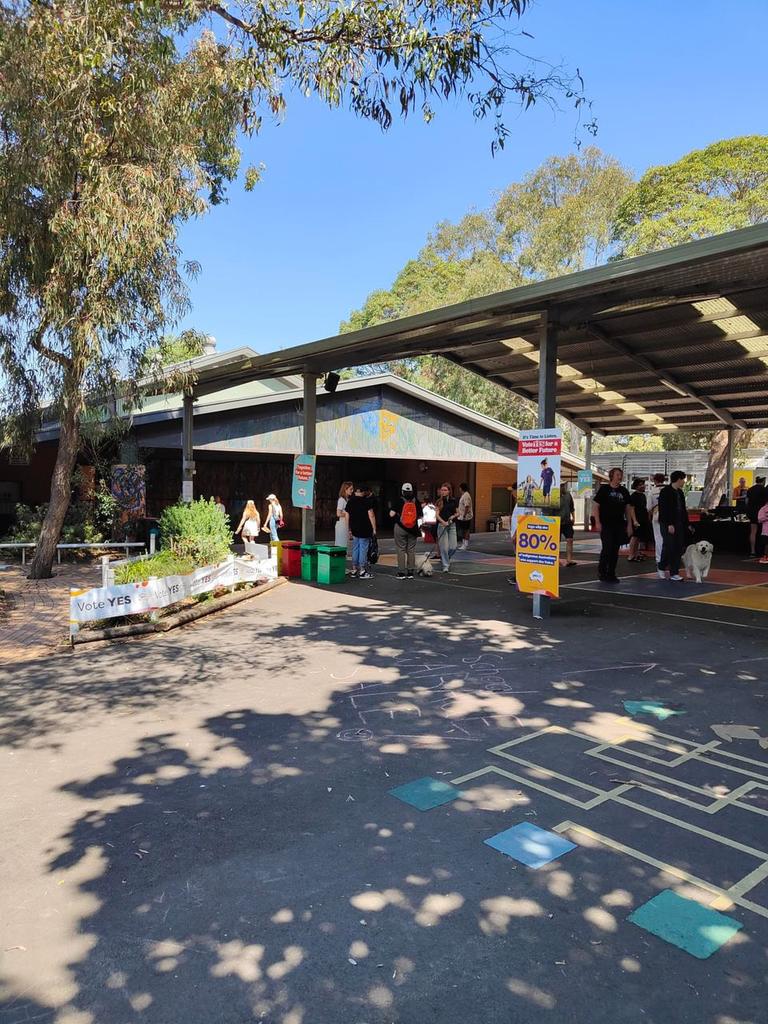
(105, 509)
(164, 563)
(197, 530)
(78, 524)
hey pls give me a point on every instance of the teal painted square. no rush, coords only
(685, 923)
(530, 845)
(426, 793)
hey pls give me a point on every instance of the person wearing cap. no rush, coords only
(757, 495)
(273, 519)
(407, 513)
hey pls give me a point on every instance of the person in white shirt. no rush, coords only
(659, 480)
(220, 505)
(341, 532)
(464, 518)
(429, 526)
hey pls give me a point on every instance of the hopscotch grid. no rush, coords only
(724, 898)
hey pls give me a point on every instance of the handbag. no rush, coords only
(373, 550)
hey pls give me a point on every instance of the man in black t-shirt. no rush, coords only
(757, 495)
(362, 526)
(615, 521)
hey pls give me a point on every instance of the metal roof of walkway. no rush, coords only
(676, 339)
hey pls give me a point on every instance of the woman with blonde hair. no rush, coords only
(341, 532)
(250, 523)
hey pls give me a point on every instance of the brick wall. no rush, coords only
(489, 475)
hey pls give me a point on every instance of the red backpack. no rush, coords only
(408, 515)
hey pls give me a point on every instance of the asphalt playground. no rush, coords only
(399, 801)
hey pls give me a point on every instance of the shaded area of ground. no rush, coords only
(201, 828)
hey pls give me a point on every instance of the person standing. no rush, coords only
(341, 529)
(642, 531)
(273, 521)
(362, 526)
(250, 523)
(447, 511)
(757, 495)
(659, 480)
(406, 512)
(464, 519)
(614, 521)
(673, 519)
(429, 527)
(220, 505)
(567, 519)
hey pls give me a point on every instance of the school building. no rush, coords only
(380, 430)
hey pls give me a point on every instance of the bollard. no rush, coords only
(74, 627)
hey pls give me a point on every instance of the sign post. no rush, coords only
(303, 489)
(537, 559)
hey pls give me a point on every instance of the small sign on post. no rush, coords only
(584, 483)
(303, 490)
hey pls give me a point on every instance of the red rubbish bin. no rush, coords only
(291, 566)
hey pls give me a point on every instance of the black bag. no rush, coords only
(373, 550)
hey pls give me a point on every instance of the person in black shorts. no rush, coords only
(641, 535)
(567, 518)
(614, 520)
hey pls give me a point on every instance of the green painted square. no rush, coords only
(685, 923)
(426, 793)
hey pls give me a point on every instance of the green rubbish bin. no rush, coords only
(331, 563)
(309, 562)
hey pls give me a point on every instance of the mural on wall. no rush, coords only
(129, 490)
(381, 424)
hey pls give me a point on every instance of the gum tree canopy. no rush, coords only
(120, 120)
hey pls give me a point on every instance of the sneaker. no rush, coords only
(661, 574)
(446, 568)
(401, 575)
(676, 578)
(353, 574)
(365, 576)
(763, 560)
(410, 575)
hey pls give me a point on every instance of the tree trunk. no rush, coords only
(61, 491)
(715, 482)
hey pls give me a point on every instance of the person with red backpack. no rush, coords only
(407, 513)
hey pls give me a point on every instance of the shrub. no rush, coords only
(196, 530)
(78, 525)
(164, 563)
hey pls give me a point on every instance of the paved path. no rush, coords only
(198, 826)
(34, 615)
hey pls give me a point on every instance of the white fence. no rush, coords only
(150, 595)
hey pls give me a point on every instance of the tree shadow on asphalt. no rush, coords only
(272, 877)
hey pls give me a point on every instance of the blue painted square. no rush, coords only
(530, 844)
(426, 793)
(685, 923)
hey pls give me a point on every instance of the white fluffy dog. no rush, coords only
(697, 559)
(425, 566)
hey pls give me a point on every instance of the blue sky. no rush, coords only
(342, 205)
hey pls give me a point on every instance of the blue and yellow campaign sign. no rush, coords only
(537, 557)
